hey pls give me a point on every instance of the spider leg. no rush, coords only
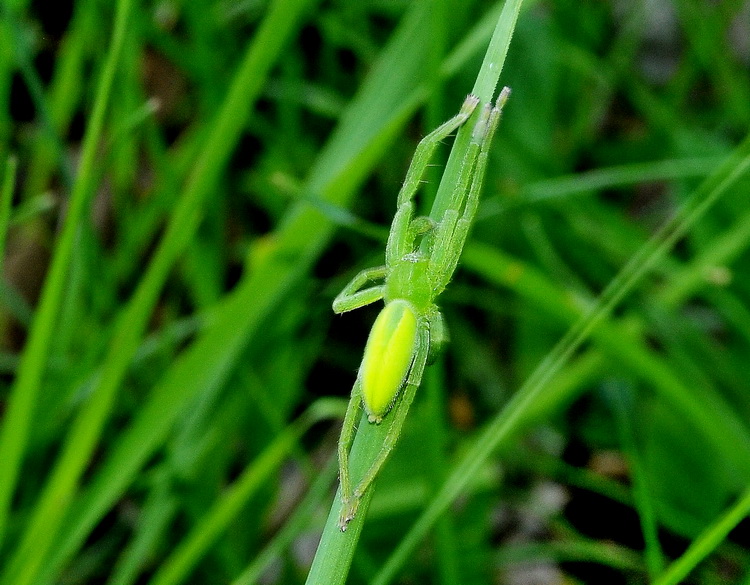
(399, 412)
(484, 136)
(426, 148)
(453, 229)
(438, 335)
(348, 430)
(353, 298)
(403, 229)
(442, 245)
(463, 225)
(441, 252)
(400, 238)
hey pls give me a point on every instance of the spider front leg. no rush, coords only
(403, 228)
(426, 149)
(455, 225)
(353, 298)
(398, 413)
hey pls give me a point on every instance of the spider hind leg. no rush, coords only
(438, 336)
(398, 416)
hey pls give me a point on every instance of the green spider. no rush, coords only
(420, 258)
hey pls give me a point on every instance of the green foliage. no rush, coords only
(184, 188)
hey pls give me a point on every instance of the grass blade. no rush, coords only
(39, 536)
(23, 396)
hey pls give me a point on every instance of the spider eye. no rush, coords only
(388, 356)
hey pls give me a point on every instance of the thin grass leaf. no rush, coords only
(702, 546)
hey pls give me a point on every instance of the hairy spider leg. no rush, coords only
(353, 298)
(426, 149)
(453, 230)
(472, 201)
(399, 412)
(442, 252)
(400, 238)
(403, 229)
(346, 439)
(485, 141)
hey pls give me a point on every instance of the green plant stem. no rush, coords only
(336, 549)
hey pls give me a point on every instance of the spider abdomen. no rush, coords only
(388, 357)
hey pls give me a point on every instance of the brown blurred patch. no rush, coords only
(461, 412)
(25, 268)
(165, 83)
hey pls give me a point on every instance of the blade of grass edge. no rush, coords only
(484, 89)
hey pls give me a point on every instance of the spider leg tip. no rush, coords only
(470, 103)
(502, 97)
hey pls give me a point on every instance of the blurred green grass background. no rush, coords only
(187, 185)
